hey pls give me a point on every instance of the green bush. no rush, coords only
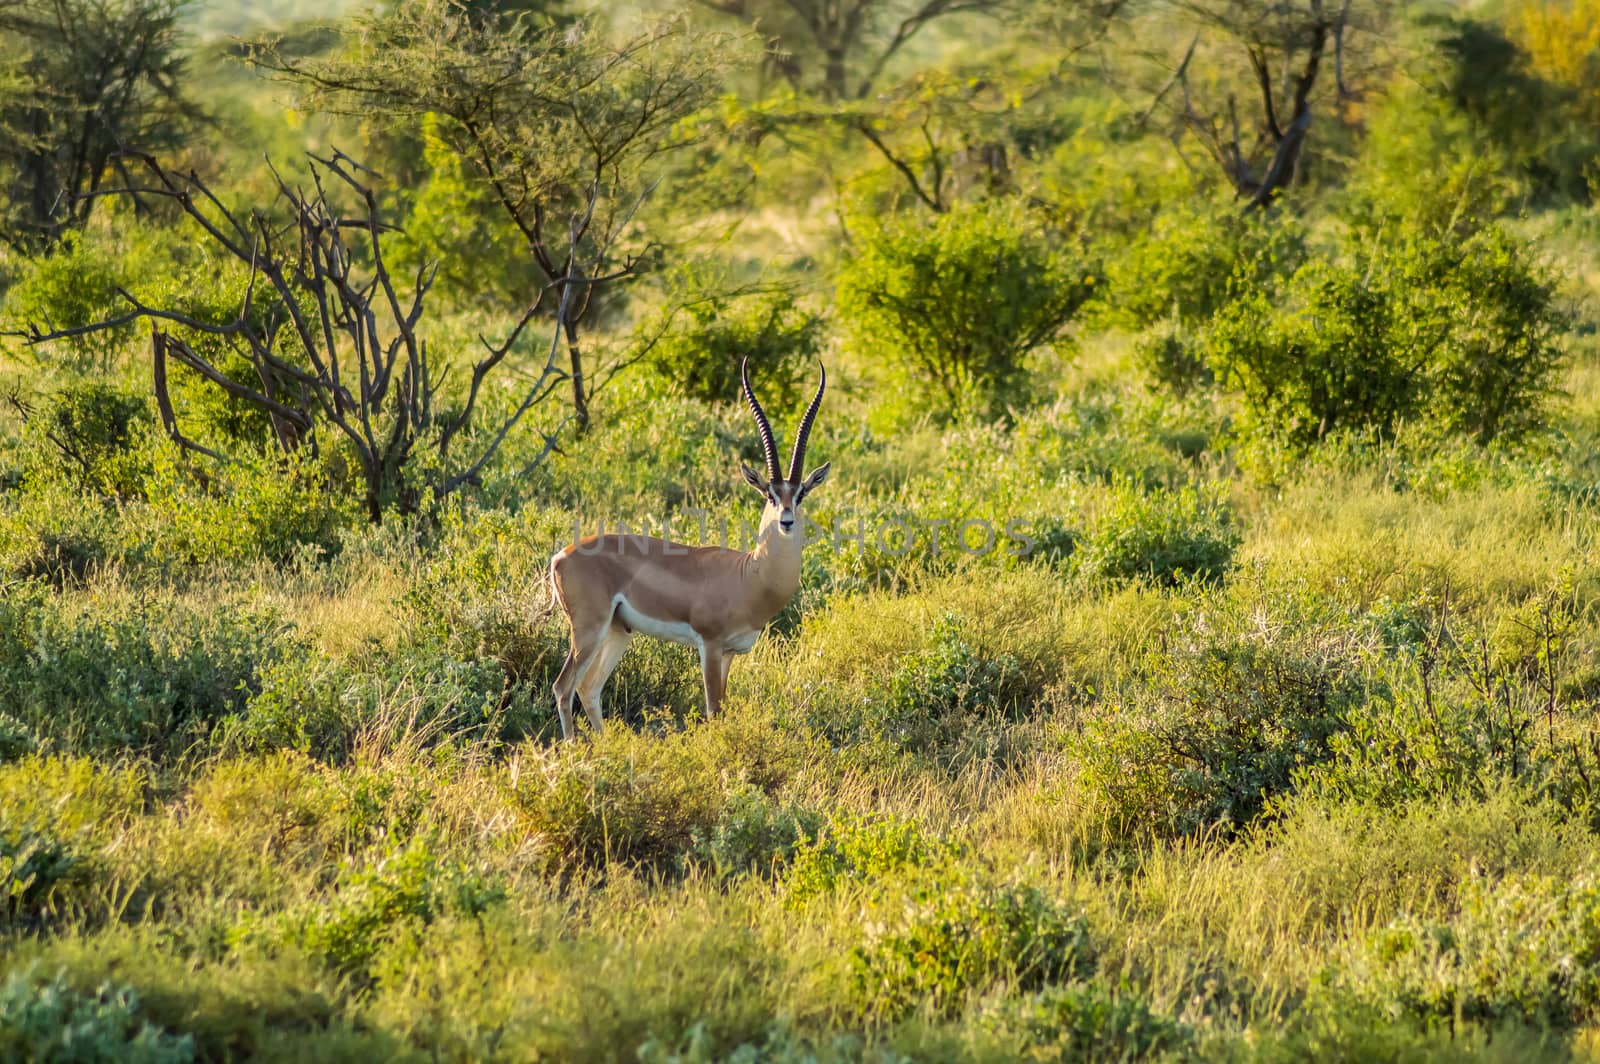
(857, 849)
(1192, 260)
(955, 304)
(16, 739)
(701, 357)
(1087, 1022)
(956, 931)
(1238, 705)
(455, 223)
(147, 676)
(1173, 360)
(1472, 178)
(32, 864)
(1497, 370)
(89, 432)
(1460, 708)
(73, 287)
(321, 706)
(754, 834)
(1460, 330)
(259, 506)
(373, 903)
(937, 698)
(625, 798)
(48, 1022)
(56, 535)
(946, 697)
(1525, 949)
(1161, 536)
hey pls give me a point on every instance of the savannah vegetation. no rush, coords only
(1269, 329)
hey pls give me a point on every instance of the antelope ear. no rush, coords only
(751, 478)
(818, 475)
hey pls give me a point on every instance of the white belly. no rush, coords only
(742, 642)
(671, 631)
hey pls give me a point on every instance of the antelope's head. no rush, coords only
(783, 494)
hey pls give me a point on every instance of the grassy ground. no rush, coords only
(1260, 752)
(1335, 803)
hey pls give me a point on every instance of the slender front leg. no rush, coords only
(714, 672)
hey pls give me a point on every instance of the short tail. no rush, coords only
(553, 596)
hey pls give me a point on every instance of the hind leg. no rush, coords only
(593, 681)
(585, 649)
(722, 678)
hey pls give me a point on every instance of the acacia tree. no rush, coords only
(941, 131)
(838, 49)
(329, 336)
(1274, 63)
(83, 80)
(557, 120)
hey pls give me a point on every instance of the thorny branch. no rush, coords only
(330, 335)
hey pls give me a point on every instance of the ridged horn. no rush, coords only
(797, 461)
(768, 444)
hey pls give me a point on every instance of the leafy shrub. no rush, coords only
(1335, 360)
(454, 222)
(625, 797)
(407, 888)
(1192, 260)
(147, 675)
(702, 357)
(32, 864)
(1460, 330)
(1523, 949)
(1497, 370)
(1461, 709)
(1162, 536)
(754, 834)
(953, 677)
(51, 1023)
(303, 706)
(957, 303)
(73, 287)
(257, 506)
(88, 431)
(932, 701)
(1223, 720)
(1472, 178)
(55, 534)
(16, 739)
(1173, 360)
(956, 931)
(857, 849)
(1087, 1021)
(417, 691)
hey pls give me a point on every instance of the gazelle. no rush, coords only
(714, 599)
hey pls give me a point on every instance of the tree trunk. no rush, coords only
(834, 75)
(580, 398)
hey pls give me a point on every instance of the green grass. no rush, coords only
(438, 882)
(1269, 751)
